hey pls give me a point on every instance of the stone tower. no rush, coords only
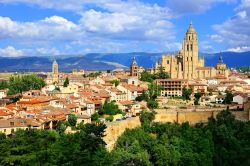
(221, 67)
(134, 69)
(190, 53)
(55, 74)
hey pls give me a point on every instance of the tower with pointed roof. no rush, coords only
(55, 73)
(186, 64)
(190, 53)
(134, 69)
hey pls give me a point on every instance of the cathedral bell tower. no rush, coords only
(190, 53)
(55, 73)
(134, 69)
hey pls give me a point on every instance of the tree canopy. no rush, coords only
(22, 83)
(66, 82)
(222, 141)
(186, 93)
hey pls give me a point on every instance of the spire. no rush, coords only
(54, 62)
(220, 58)
(134, 61)
(190, 28)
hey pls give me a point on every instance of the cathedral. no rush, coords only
(187, 64)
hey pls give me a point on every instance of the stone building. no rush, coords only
(55, 73)
(187, 64)
(134, 69)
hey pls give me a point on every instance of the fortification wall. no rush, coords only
(115, 129)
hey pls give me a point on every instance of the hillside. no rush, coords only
(101, 61)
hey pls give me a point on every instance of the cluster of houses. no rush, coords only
(44, 108)
(84, 96)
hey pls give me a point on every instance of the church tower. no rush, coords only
(221, 67)
(190, 53)
(134, 69)
(55, 74)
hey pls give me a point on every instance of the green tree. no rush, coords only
(66, 82)
(186, 93)
(60, 128)
(95, 116)
(146, 117)
(115, 82)
(229, 98)
(162, 74)
(3, 84)
(154, 90)
(152, 104)
(110, 118)
(72, 119)
(109, 108)
(22, 83)
(197, 98)
(146, 76)
(143, 96)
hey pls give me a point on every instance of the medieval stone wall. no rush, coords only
(115, 129)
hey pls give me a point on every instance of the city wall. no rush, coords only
(115, 129)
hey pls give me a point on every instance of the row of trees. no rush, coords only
(222, 141)
(22, 83)
(148, 77)
(108, 108)
(150, 95)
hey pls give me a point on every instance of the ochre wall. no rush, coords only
(115, 129)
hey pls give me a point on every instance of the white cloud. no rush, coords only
(47, 51)
(10, 51)
(234, 33)
(206, 47)
(51, 28)
(239, 49)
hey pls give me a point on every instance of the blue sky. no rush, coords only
(63, 27)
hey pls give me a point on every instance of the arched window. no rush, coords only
(187, 47)
(191, 47)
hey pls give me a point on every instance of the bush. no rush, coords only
(72, 119)
(110, 118)
(95, 116)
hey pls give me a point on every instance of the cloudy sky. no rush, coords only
(59, 27)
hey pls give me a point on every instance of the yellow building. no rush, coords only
(55, 73)
(187, 64)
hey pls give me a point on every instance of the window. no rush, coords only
(187, 58)
(167, 61)
(187, 47)
(191, 58)
(191, 47)
(189, 37)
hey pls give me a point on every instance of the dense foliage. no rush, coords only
(72, 119)
(148, 77)
(66, 82)
(222, 141)
(95, 74)
(197, 98)
(22, 83)
(228, 98)
(108, 108)
(44, 147)
(186, 93)
(115, 82)
(150, 96)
